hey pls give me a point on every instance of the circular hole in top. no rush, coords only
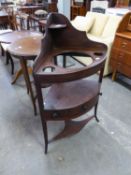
(98, 53)
(49, 69)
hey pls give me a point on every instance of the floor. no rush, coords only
(102, 148)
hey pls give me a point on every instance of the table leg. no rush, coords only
(17, 75)
(40, 28)
(114, 75)
(28, 83)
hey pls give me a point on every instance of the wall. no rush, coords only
(64, 7)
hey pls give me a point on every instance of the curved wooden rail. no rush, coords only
(70, 95)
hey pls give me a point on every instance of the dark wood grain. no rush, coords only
(121, 50)
(70, 93)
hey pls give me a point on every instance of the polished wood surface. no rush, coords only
(12, 36)
(79, 8)
(69, 94)
(16, 35)
(51, 6)
(77, 11)
(26, 49)
(121, 51)
(122, 3)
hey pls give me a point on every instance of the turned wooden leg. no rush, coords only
(55, 60)
(28, 83)
(8, 57)
(114, 75)
(95, 112)
(44, 124)
(17, 75)
(2, 51)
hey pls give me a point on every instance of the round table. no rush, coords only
(26, 49)
(12, 36)
(16, 35)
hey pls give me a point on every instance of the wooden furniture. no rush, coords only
(51, 6)
(48, 6)
(4, 21)
(36, 23)
(78, 9)
(27, 49)
(120, 60)
(14, 25)
(29, 9)
(10, 37)
(122, 3)
(42, 24)
(13, 36)
(4, 49)
(4, 25)
(69, 94)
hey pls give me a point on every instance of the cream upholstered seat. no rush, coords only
(102, 30)
(86, 23)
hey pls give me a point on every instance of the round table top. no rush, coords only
(11, 37)
(27, 47)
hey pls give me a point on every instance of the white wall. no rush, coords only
(64, 7)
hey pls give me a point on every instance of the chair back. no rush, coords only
(12, 18)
